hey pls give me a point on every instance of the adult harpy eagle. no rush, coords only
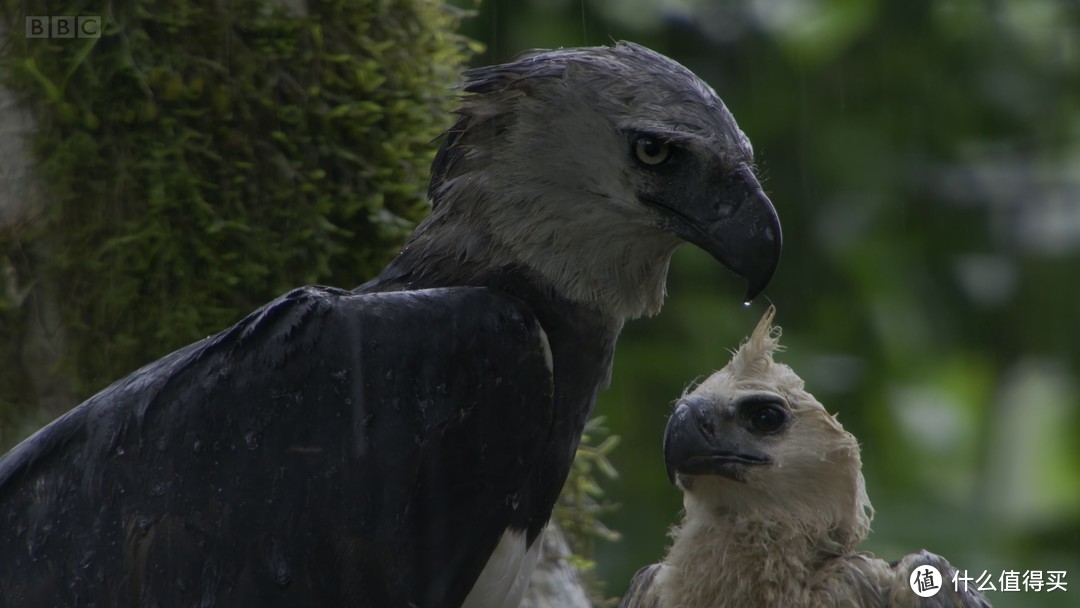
(775, 502)
(402, 444)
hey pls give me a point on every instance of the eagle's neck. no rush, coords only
(618, 268)
(740, 560)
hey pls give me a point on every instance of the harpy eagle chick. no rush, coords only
(403, 443)
(775, 501)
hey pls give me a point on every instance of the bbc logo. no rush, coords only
(63, 27)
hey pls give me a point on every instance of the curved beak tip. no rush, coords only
(755, 287)
(759, 278)
(753, 290)
(751, 245)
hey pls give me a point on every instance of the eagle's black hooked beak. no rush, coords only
(738, 225)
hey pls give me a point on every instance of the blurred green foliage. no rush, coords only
(583, 504)
(925, 161)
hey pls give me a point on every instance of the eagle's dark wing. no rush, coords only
(330, 449)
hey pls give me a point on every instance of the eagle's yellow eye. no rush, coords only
(650, 151)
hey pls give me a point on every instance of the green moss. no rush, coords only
(201, 158)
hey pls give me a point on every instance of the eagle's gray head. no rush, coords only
(591, 166)
(751, 441)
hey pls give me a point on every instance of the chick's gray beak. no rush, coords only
(736, 223)
(701, 440)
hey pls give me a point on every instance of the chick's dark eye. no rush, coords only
(651, 151)
(767, 419)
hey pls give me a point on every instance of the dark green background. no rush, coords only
(925, 161)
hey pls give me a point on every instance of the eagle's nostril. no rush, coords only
(706, 425)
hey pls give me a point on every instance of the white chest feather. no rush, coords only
(506, 574)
